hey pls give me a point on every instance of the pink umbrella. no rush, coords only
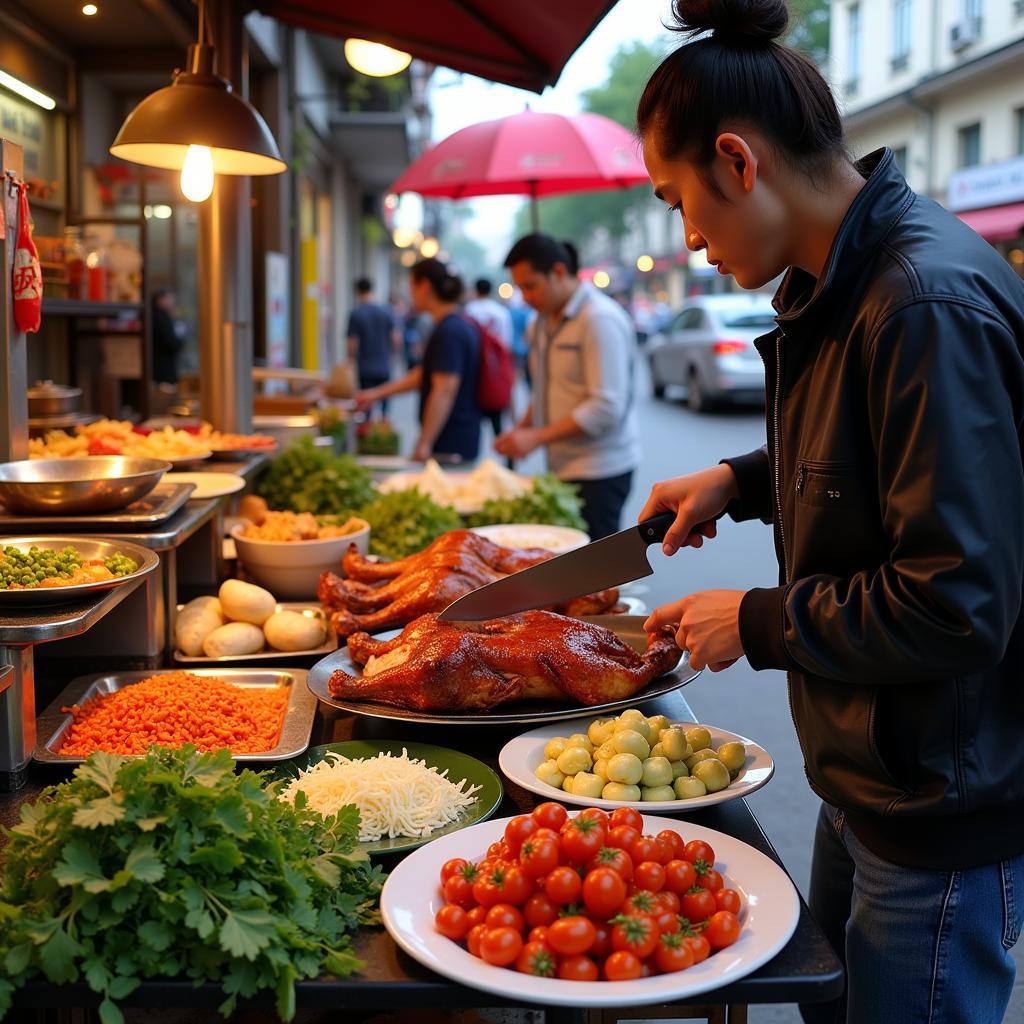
(528, 154)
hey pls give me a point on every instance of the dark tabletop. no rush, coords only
(806, 970)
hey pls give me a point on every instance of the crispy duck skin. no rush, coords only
(385, 595)
(537, 655)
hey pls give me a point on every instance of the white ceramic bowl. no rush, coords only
(291, 569)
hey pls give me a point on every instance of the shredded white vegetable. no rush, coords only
(396, 796)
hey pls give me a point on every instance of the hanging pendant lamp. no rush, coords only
(199, 126)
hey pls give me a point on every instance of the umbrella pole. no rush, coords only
(534, 209)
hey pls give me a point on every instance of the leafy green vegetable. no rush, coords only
(305, 478)
(550, 501)
(404, 522)
(171, 865)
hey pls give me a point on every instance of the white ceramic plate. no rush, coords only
(534, 535)
(520, 756)
(771, 908)
(208, 485)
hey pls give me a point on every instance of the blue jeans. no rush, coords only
(919, 947)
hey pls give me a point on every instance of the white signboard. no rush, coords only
(989, 185)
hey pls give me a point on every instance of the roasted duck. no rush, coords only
(384, 595)
(457, 666)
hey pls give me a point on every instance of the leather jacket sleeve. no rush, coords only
(754, 480)
(944, 386)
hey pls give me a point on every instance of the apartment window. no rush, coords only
(899, 154)
(902, 13)
(1018, 129)
(969, 145)
(853, 55)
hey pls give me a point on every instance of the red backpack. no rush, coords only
(497, 371)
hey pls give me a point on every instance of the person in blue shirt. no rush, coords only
(447, 378)
(371, 336)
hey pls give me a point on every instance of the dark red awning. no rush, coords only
(526, 43)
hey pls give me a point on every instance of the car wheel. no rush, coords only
(696, 400)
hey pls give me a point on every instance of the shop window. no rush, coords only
(853, 49)
(902, 20)
(968, 141)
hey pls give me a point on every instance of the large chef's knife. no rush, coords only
(608, 562)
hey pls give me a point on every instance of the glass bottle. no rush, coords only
(96, 271)
(74, 262)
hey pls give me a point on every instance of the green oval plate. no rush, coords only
(460, 766)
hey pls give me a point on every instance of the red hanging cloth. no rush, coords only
(28, 279)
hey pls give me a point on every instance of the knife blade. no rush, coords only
(605, 563)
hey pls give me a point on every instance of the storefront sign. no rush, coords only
(35, 131)
(988, 185)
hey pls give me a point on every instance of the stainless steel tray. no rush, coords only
(87, 547)
(269, 655)
(161, 503)
(626, 627)
(295, 731)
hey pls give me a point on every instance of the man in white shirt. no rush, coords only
(489, 313)
(582, 355)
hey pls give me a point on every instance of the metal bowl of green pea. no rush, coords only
(32, 568)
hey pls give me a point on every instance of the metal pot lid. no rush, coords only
(47, 389)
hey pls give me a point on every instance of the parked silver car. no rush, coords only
(708, 350)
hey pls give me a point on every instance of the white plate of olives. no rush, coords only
(632, 759)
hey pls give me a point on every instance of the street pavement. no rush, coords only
(755, 704)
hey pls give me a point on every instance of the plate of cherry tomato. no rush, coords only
(590, 908)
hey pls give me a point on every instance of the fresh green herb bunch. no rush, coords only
(305, 478)
(171, 865)
(404, 522)
(550, 501)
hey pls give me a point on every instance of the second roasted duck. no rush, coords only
(375, 596)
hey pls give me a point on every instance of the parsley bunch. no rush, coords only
(404, 522)
(549, 501)
(171, 865)
(305, 478)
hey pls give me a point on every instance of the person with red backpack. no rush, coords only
(497, 364)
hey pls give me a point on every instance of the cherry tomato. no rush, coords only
(563, 886)
(675, 840)
(602, 944)
(622, 966)
(496, 851)
(452, 922)
(500, 946)
(596, 814)
(649, 875)
(648, 969)
(637, 934)
(723, 929)
(672, 953)
(697, 904)
(571, 935)
(640, 902)
(622, 837)
(535, 958)
(667, 921)
(627, 816)
(458, 889)
(476, 933)
(502, 885)
(550, 815)
(710, 880)
(614, 858)
(644, 849)
(504, 915)
(452, 867)
(728, 899)
(668, 900)
(698, 946)
(477, 916)
(582, 838)
(666, 849)
(697, 849)
(539, 910)
(577, 968)
(538, 857)
(538, 934)
(680, 876)
(518, 830)
(604, 891)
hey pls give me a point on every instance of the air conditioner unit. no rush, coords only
(963, 33)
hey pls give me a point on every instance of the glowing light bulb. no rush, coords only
(375, 59)
(645, 264)
(197, 174)
(505, 290)
(430, 248)
(601, 279)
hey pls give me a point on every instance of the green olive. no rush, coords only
(579, 739)
(625, 768)
(657, 750)
(601, 730)
(617, 791)
(605, 752)
(554, 747)
(586, 784)
(657, 772)
(658, 724)
(573, 760)
(601, 770)
(732, 755)
(712, 773)
(657, 793)
(687, 788)
(547, 772)
(700, 755)
(698, 737)
(673, 742)
(629, 742)
(679, 770)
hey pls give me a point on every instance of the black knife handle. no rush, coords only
(653, 530)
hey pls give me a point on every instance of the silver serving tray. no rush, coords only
(270, 655)
(626, 627)
(295, 732)
(87, 547)
(161, 503)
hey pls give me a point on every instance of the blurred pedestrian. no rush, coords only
(493, 316)
(372, 334)
(582, 353)
(167, 342)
